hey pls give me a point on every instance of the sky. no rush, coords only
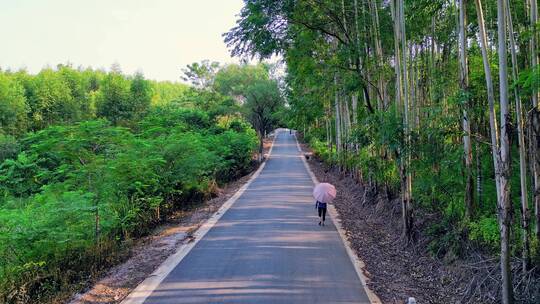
(157, 37)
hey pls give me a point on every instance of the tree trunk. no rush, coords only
(432, 61)
(494, 130)
(261, 145)
(354, 101)
(535, 150)
(347, 123)
(533, 44)
(397, 56)
(407, 210)
(410, 220)
(464, 86)
(412, 86)
(328, 134)
(338, 118)
(504, 203)
(534, 142)
(521, 142)
(378, 50)
(357, 31)
(479, 188)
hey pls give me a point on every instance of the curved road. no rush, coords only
(267, 248)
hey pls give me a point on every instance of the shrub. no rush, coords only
(74, 193)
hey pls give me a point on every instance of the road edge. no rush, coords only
(146, 287)
(358, 264)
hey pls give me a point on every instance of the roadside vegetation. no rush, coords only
(91, 160)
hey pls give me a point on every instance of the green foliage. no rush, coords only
(201, 75)
(13, 107)
(529, 80)
(109, 156)
(113, 101)
(73, 191)
(337, 52)
(446, 239)
(9, 147)
(166, 92)
(262, 101)
(66, 95)
(253, 86)
(18, 175)
(485, 230)
(234, 79)
(140, 95)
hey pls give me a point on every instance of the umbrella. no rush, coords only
(324, 192)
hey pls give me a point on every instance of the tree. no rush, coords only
(534, 115)
(233, 79)
(13, 107)
(202, 74)
(430, 112)
(113, 100)
(464, 86)
(503, 170)
(140, 97)
(521, 143)
(81, 87)
(165, 92)
(494, 130)
(50, 100)
(262, 102)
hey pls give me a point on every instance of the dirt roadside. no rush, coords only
(149, 252)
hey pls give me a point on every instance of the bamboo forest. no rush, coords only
(424, 115)
(434, 102)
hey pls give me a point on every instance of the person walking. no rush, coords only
(321, 209)
(324, 193)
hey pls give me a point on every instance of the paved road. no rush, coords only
(267, 248)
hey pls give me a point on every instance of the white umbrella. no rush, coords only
(324, 192)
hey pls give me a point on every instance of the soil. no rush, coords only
(149, 252)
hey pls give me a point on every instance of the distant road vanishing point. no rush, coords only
(267, 248)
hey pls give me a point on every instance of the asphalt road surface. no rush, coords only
(267, 248)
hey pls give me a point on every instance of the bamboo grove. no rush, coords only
(434, 101)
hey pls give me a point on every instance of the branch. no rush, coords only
(323, 30)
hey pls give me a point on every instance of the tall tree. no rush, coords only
(114, 98)
(534, 116)
(494, 130)
(402, 92)
(503, 170)
(521, 143)
(13, 107)
(234, 79)
(50, 100)
(533, 15)
(263, 101)
(464, 86)
(140, 96)
(202, 74)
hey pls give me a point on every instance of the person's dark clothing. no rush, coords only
(321, 208)
(322, 213)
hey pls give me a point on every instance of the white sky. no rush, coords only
(158, 37)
